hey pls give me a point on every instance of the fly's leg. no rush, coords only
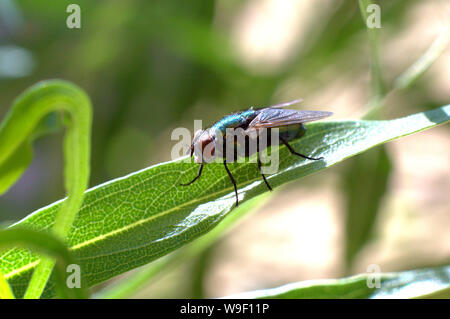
(233, 181)
(295, 153)
(259, 167)
(196, 177)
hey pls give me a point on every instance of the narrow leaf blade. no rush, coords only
(131, 221)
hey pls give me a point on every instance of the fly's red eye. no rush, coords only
(212, 151)
(206, 145)
(204, 142)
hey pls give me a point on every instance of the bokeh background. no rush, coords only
(152, 66)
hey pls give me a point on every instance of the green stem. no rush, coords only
(422, 64)
(28, 110)
(378, 87)
(5, 289)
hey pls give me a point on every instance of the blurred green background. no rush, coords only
(152, 66)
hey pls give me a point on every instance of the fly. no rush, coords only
(289, 123)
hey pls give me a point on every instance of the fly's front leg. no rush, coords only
(196, 177)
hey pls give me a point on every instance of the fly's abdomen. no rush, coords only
(287, 133)
(291, 132)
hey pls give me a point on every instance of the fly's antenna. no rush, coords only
(286, 104)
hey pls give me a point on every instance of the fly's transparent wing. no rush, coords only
(271, 117)
(278, 106)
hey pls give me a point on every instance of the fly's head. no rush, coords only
(203, 146)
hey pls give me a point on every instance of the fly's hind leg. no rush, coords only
(259, 167)
(232, 181)
(298, 154)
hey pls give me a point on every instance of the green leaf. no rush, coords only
(133, 220)
(18, 161)
(422, 283)
(31, 116)
(13, 168)
(130, 285)
(49, 245)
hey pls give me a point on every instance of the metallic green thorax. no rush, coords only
(240, 119)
